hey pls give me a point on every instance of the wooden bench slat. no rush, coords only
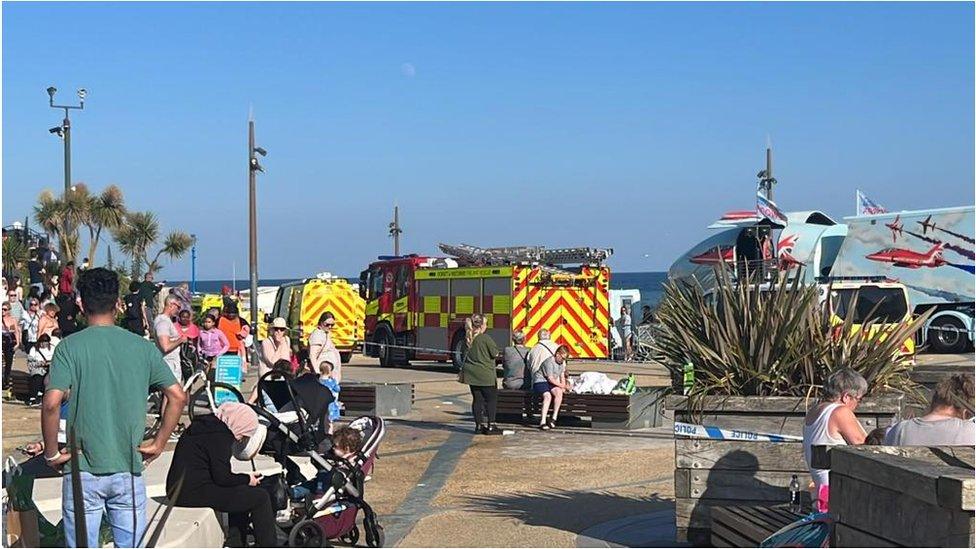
(762, 523)
(740, 522)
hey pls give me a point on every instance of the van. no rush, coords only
(301, 303)
(884, 303)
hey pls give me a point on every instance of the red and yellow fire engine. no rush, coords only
(416, 306)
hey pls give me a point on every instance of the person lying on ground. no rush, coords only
(201, 476)
(550, 381)
(946, 423)
(832, 423)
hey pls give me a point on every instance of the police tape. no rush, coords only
(691, 430)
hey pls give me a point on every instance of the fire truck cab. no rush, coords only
(416, 305)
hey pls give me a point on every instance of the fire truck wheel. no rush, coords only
(457, 349)
(384, 340)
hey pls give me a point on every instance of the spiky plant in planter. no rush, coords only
(772, 339)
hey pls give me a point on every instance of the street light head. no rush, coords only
(51, 91)
(82, 93)
(260, 151)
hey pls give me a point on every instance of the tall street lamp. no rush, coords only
(64, 132)
(193, 265)
(253, 167)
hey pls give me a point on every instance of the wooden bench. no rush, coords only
(748, 525)
(602, 411)
(19, 385)
(384, 400)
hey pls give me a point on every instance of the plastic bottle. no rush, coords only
(794, 494)
(688, 380)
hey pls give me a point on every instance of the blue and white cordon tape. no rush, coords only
(703, 431)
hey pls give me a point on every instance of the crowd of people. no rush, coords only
(95, 382)
(832, 422)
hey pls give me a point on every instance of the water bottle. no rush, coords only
(794, 495)
(688, 379)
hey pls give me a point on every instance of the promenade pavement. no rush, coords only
(436, 484)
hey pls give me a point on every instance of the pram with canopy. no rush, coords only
(296, 414)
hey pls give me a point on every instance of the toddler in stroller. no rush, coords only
(329, 502)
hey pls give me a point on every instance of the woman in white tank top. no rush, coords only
(832, 423)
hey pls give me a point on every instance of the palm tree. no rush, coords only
(14, 251)
(105, 211)
(140, 232)
(175, 245)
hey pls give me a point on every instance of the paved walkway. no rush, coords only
(436, 484)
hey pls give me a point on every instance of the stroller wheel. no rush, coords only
(352, 538)
(307, 533)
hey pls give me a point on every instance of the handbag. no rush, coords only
(277, 489)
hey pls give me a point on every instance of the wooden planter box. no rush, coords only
(887, 496)
(712, 473)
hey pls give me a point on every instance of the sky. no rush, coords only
(631, 126)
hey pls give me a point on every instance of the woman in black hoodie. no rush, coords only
(202, 460)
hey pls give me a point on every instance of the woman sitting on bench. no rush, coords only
(550, 381)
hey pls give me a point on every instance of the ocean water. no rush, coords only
(648, 283)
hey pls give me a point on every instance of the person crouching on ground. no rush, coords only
(478, 371)
(201, 470)
(550, 381)
(832, 423)
(326, 370)
(947, 421)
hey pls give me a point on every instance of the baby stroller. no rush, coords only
(296, 428)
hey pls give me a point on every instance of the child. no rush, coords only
(345, 445)
(326, 369)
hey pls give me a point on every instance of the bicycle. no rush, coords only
(201, 402)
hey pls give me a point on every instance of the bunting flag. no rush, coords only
(767, 208)
(866, 206)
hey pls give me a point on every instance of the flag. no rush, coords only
(767, 208)
(866, 206)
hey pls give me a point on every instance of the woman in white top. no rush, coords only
(832, 423)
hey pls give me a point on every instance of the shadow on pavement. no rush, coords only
(567, 510)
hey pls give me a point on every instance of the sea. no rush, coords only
(649, 284)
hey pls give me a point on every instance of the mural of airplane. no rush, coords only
(723, 254)
(910, 260)
(927, 225)
(896, 228)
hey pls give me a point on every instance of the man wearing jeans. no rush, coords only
(108, 372)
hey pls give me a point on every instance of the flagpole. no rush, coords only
(857, 201)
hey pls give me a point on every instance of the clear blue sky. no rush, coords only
(623, 125)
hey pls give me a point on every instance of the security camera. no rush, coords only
(58, 131)
(260, 151)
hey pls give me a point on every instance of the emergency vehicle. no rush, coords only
(301, 303)
(416, 305)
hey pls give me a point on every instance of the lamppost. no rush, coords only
(193, 265)
(64, 132)
(253, 167)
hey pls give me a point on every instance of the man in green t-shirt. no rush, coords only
(105, 373)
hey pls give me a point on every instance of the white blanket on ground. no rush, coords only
(596, 383)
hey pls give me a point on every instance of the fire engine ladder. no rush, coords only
(527, 254)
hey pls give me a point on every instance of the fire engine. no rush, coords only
(416, 305)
